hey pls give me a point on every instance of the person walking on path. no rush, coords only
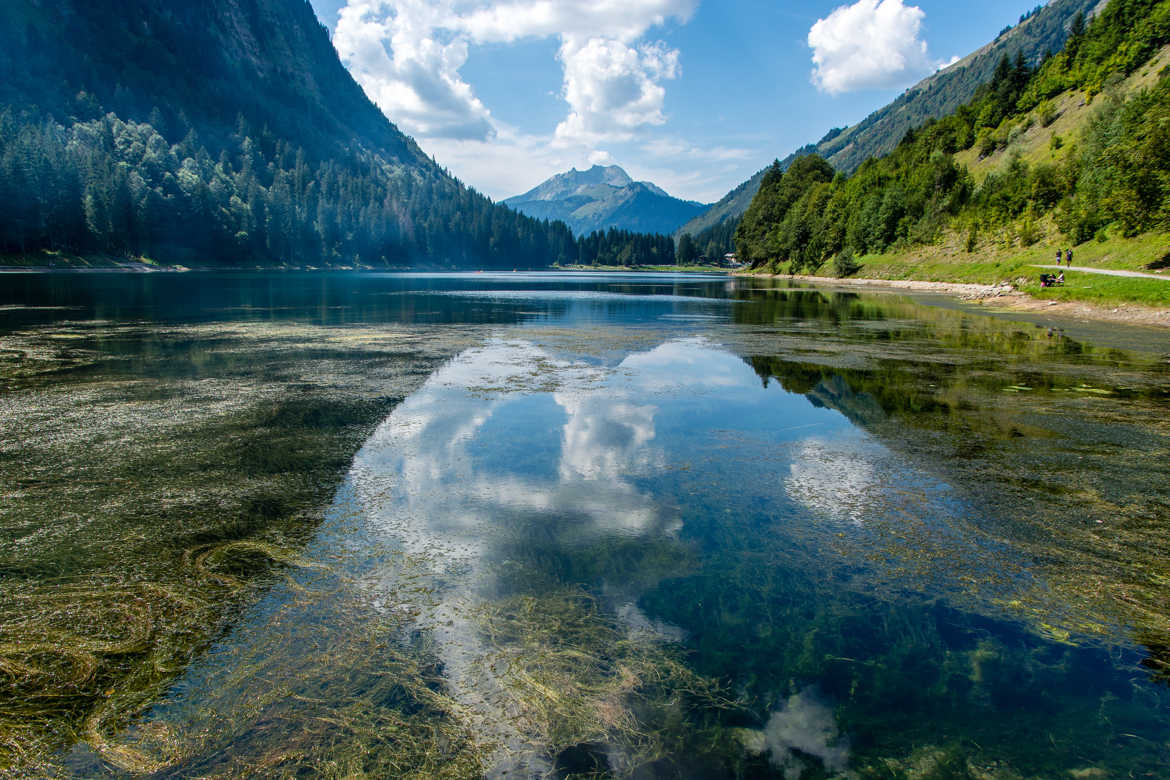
(1067, 258)
(1058, 257)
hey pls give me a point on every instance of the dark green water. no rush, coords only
(574, 525)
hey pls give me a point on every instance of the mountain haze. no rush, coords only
(1044, 31)
(605, 197)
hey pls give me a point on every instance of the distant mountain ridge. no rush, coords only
(605, 197)
(937, 95)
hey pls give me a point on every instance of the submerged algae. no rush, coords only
(1070, 471)
(578, 681)
(617, 651)
(153, 478)
(315, 680)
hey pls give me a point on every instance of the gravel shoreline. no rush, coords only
(1004, 297)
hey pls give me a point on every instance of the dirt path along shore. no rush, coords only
(1106, 271)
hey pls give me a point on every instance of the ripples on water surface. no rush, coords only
(574, 525)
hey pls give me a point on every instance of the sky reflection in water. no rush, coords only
(514, 466)
(585, 486)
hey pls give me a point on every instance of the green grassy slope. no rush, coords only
(1074, 153)
(1034, 142)
(935, 96)
(1004, 256)
(1002, 259)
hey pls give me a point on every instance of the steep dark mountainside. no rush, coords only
(605, 197)
(221, 132)
(1045, 30)
(270, 61)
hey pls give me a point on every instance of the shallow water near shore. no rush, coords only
(573, 525)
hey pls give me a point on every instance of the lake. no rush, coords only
(574, 525)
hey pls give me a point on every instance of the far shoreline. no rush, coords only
(144, 268)
(1003, 298)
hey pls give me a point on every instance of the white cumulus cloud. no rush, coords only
(407, 55)
(613, 88)
(870, 44)
(623, 20)
(396, 50)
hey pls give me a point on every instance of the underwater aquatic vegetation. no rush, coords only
(155, 479)
(573, 675)
(176, 478)
(280, 701)
(68, 651)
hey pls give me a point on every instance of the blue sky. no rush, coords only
(694, 95)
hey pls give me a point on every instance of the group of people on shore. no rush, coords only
(1048, 280)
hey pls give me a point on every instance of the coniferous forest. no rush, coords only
(626, 248)
(112, 187)
(711, 243)
(1118, 175)
(165, 136)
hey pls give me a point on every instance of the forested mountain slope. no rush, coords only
(223, 132)
(1115, 179)
(1042, 31)
(727, 209)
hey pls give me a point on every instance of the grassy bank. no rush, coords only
(1104, 290)
(999, 259)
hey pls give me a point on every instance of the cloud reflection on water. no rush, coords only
(429, 482)
(435, 483)
(515, 473)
